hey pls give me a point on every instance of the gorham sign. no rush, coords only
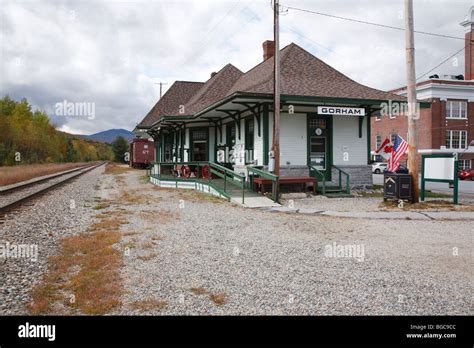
(340, 110)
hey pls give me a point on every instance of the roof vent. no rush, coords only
(213, 74)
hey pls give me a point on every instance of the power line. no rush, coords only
(444, 61)
(371, 23)
(326, 48)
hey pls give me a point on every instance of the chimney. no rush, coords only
(268, 49)
(468, 23)
(213, 74)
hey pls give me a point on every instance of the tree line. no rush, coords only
(28, 136)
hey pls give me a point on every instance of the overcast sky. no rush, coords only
(111, 53)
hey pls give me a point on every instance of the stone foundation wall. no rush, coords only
(360, 176)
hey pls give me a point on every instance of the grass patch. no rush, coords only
(428, 205)
(101, 216)
(129, 245)
(149, 304)
(129, 233)
(198, 291)
(147, 257)
(133, 199)
(87, 267)
(196, 196)
(101, 206)
(159, 215)
(218, 299)
(430, 194)
(23, 172)
(117, 168)
(147, 245)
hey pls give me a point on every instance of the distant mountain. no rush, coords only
(109, 136)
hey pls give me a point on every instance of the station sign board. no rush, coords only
(340, 111)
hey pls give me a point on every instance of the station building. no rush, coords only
(325, 125)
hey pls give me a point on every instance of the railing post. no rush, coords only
(225, 180)
(340, 179)
(209, 179)
(277, 190)
(348, 187)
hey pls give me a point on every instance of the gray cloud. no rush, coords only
(112, 52)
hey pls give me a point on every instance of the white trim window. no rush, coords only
(464, 164)
(456, 139)
(378, 117)
(456, 109)
(378, 142)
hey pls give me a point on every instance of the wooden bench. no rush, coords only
(285, 180)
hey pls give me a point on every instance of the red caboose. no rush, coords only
(141, 153)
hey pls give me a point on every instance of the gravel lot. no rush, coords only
(194, 255)
(188, 253)
(65, 211)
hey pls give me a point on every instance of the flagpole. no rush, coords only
(411, 94)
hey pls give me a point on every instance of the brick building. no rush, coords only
(448, 125)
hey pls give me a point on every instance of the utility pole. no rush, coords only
(276, 88)
(161, 85)
(411, 94)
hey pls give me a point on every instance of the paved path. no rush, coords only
(391, 215)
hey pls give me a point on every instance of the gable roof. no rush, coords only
(214, 89)
(169, 104)
(302, 74)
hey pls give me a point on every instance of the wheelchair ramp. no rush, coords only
(258, 201)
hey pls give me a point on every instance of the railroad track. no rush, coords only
(14, 197)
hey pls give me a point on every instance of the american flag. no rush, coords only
(400, 147)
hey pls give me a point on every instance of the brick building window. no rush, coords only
(456, 139)
(464, 164)
(378, 141)
(456, 109)
(378, 117)
(393, 136)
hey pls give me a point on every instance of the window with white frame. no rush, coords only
(464, 164)
(378, 141)
(456, 139)
(456, 109)
(378, 117)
